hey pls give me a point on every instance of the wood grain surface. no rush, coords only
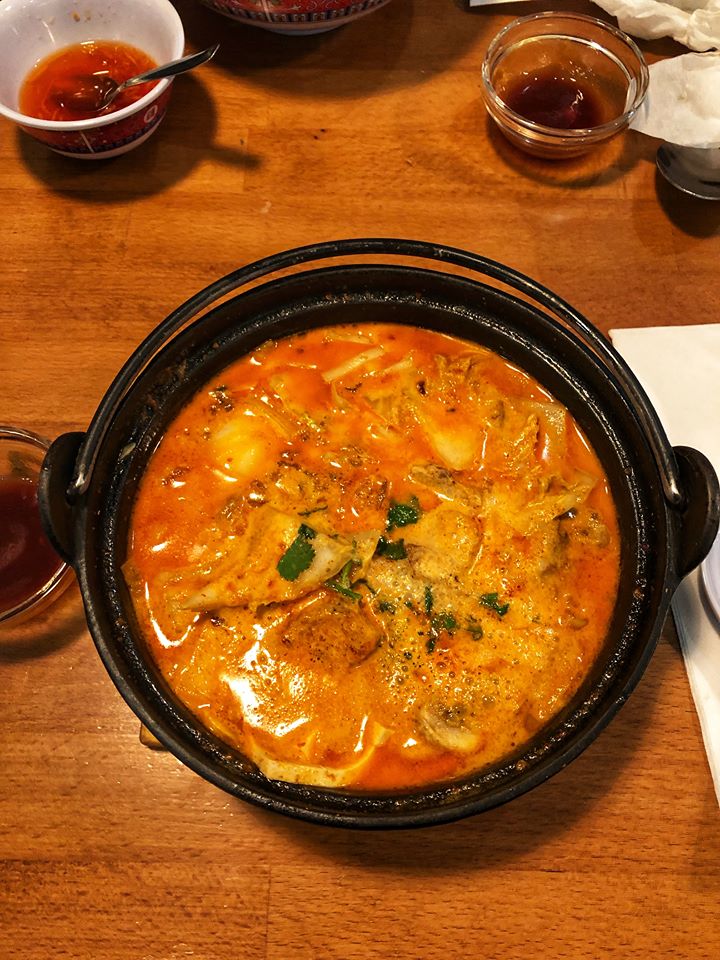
(112, 851)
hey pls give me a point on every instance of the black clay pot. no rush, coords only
(668, 499)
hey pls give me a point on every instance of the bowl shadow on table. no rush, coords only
(168, 157)
(693, 216)
(377, 52)
(604, 164)
(61, 624)
(491, 839)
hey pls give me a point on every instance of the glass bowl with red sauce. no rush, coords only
(559, 84)
(31, 572)
(50, 49)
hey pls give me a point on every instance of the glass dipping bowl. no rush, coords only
(21, 456)
(546, 55)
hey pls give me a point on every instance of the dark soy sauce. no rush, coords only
(553, 99)
(27, 560)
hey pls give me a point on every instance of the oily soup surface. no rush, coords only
(373, 557)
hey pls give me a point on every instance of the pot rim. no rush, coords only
(373, 811)
(266, 267)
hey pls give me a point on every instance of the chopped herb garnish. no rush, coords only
(409, 604)
(403, 514)
(491, 601)
(344, 575)
(386, 607)
(299, 555)
(443, 621)
(428, 599)
(345, 591)
(342, 583)
(438, 623)
(392, 549)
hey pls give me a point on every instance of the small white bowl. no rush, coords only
(30, 30)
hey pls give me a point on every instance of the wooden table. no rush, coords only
(111, 850)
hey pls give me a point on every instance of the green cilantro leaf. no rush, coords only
(428, 599)
(491, 601)
(403, 514)
(392, 549)
(299, 555)
(438, 623)
(443, 621)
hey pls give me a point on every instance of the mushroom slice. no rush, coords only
(446, 728)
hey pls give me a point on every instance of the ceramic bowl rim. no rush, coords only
(175, 26)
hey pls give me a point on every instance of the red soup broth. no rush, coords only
(46, 89)
(374, 557)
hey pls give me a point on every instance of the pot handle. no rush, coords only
(56, 511)
(700, 515)
(414, 249)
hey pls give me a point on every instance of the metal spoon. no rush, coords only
(95, 93)
(693, 170)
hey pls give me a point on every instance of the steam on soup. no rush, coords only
(373, 557)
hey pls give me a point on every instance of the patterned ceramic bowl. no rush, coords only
(30, 30)
(295, 16)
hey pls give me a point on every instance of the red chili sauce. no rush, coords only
(50, 90)
(27, 560)
(553, 99)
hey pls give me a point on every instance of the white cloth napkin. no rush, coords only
(679, 367)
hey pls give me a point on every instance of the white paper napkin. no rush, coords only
(694, 23)
(682, 105)
(679, 367)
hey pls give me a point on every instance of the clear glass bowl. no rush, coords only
(535, 61)
(21, 457)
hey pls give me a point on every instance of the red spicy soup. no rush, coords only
(27, 560)
(374, 557)
(50, 89)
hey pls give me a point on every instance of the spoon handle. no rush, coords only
(174, 67)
